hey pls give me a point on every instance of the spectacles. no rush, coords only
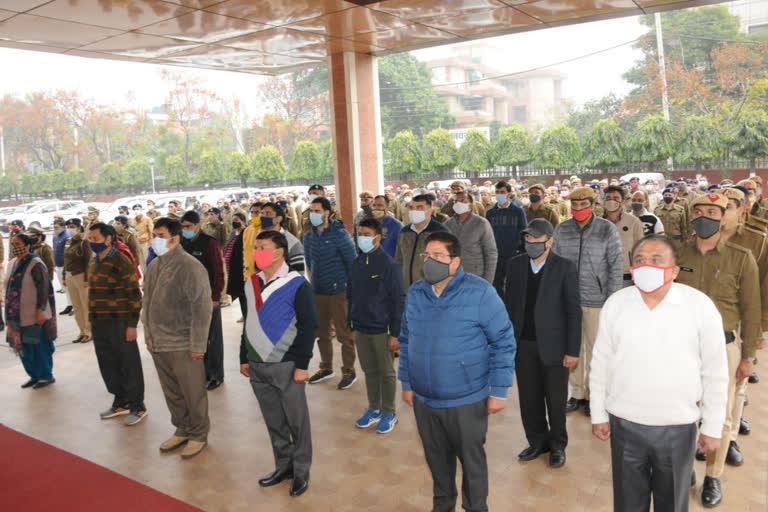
(434, 255)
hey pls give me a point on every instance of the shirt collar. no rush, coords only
(281, 272)
(537, 268)
(111, 253)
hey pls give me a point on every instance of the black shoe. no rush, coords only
(744, 428)
(573, 404)
(43, 383)
(557, 458)
(693, 479)
(711, 494)
(753, 379)
(320, 376)
(587, 410)
(276, 477)
(734, 456)
(346, 381)
(62, 290)
(213, 384)
(532, 452)
(746, 400)
(700, 455)
(29, 383)
(299, 486)
(67, 310)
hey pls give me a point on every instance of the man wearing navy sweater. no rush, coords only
(507, 221)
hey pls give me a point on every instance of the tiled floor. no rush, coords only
(353, 469)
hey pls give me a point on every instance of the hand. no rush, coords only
(746, 367)
(763, 343)
(408, 397)
(39, 317)
(392, 344)
(495, 405)
(196, 356)
(300, 376)
(570, 362)
(215, 304)
(244, 370)
(707, 444)
(602, 431)
(130, 334)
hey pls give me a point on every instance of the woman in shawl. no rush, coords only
(30, 312)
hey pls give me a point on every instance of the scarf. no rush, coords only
(13, 292)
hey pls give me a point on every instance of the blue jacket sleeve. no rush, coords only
(396, 291)
(347, 250)
(402, 372)
(501, 338)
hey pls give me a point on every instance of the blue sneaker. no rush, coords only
(371, 417)
(386, 423)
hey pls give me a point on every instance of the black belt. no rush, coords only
(676, 238)
(729, 337)
(627, 277)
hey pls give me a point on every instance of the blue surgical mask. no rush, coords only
(365, 243)
(267, 222)
(98, 247)
(189, 233)
(502, 199)
(316, 219)
(71, 232)
(160, 245)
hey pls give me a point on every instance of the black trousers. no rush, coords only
(214, 356)
(120, 364)
(651, 461)
(448, 434)
(498, 278)
(243, 305)
(541, 389)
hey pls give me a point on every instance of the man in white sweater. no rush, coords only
(647, 379)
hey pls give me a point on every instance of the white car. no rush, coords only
(41, 215)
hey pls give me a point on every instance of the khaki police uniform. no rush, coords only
(675, 221)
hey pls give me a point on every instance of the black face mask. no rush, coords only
(237, 225)
(534, 198)
(637, 207)
(535, 249)
(705, 227)
(669, 199)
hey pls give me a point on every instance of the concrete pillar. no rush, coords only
(356, 127)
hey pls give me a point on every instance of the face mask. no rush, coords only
(681, 188)
(160, 245)
(188, 233)
(638, 207)
(502, 199)
(417, 216)
(534, 198)
(611, 205)
(564, 193)
(263, 258)
(237, 225)
(256, 222)
(581, 215)
(267, 222)
(535, 249)
(378, 214)
(98, 247)
(71, 232)
(407, 199)
(312, 197)
(435, 271)
(365, 243)
(669, 199)
(18, 251)
(453, 196)
(460, 208)
(525, 201)
(731, 219)
(316, 219)
(705, 227)
(649, 278)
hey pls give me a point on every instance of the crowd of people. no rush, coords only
(467, 286)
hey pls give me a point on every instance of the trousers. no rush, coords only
(214, 355)
(379, 368)
(579, 379)
(120, 364)
(716, 460)
(183, 382)
(334, 308)
(78, 293)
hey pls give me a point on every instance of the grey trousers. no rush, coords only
(283, 405)
(378, 364)
(183, 383)
(651, 461)
(450, 433)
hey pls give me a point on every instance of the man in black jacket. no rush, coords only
(542, 299)
(376, 298)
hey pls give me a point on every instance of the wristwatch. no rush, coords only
(752, 360)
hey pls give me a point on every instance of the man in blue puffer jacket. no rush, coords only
(457, 360)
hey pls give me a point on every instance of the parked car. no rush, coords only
(42, 214)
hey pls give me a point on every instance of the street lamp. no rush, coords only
(152, 168)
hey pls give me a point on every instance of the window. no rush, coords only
(473, 74)
(471, 102)
(520, 114)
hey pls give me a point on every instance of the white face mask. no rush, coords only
(312, 197)
(417, 216)
(525, 201)
(407, 199)
(460, 208)
(649, 278)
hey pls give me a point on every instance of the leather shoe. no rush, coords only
(701, 456)
(734, 456)
(557, 458)
(744, 428)
(587, 410)
(753, 379)
(67, 310)
(532, 452)
(299, 486)
(711, 494)
(573, 404)
(213, 384)
(693, 479)
(29, 383)
(276, 477)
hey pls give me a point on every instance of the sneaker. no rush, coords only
(193, 448)
(113, 412)
(347, 379)
(370, 417)
(135, 417)
(320, 376)
(386, 424)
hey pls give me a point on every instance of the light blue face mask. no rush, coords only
(71, 232)
(502, 199)
(160, 245)
(316, 219)
(188, 234)
(365, 243)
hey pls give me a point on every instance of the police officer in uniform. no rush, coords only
(673, 216)
(728, 274)
(447, 209)
(536, 209)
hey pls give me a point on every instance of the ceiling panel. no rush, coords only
(123, 15)
(429, 9)
(25, 28)
(350, 22)
(100, 55)
(278, 13)
(276, 40)
(496, 20)
(4, 15)
(235, 59)
(203, 27)
(34, 47)
(412, 35)
(143, 46)
(321, 51)
(558, 10)
(197, 4)
(21, 5)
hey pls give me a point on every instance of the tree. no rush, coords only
(326, 159)
(404, 154)
(268, 164)
(583, 119)
(558, 148)
(176, 172)
(138, 174)
(111, 177)
(513, 147)
(653, 141)
(305, 161)
(605, 145)
(29, 184)
(751, 137)
(438, 151)
(8, 186)
(211, 167)
(699, 141)
(239, 167)
(54, 182)
(475, 152)
(76, 179)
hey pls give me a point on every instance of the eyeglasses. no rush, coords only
(434, 255)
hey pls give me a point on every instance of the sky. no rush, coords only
(122, 83)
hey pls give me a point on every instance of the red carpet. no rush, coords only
(38, 477)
